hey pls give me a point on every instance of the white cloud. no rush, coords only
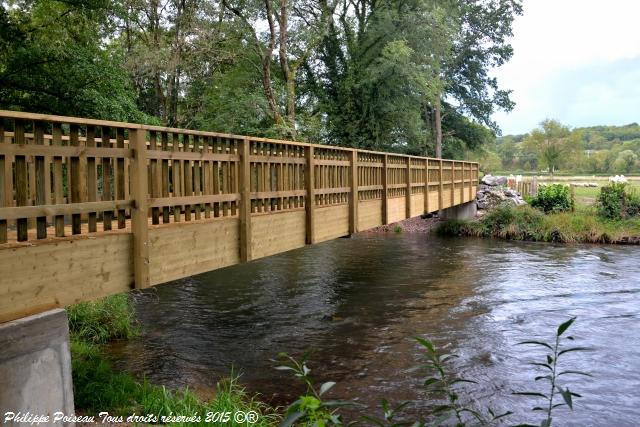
(563, 38)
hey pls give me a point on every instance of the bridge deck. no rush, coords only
(89, 208)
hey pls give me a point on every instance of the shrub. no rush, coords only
(553, 198)
(617, 201)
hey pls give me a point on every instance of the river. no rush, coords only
(357, 302)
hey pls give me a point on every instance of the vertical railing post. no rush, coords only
(353, 200)
(441, 188)
(471, 181)
(139, 213)
(245, 200)
(453, 183)
(463, 183)
(385, 192)
(426, 185)
(309, 176)
(408, 191)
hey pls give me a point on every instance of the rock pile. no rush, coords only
(493, 191)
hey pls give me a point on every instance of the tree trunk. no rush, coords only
(437, 128)
(268, 90)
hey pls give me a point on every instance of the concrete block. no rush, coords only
(35, 367)
(464, 211)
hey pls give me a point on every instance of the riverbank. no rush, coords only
(99, 388)
(528, 224)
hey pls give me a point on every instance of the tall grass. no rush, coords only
(101, 321)
(526, 223)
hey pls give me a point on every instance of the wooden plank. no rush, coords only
(245, 201)
(107, 170)
(92, 180)
(166, 214)
(353, 197)
(309, 203)
(17, 212)
(63, 151)
(22, 182)
(191, 200)
(74, 189)
(139, 223)
(5, 191)
(121, 179)
(41, 221)
(155, 178)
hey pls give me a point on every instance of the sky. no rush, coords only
(577, 61)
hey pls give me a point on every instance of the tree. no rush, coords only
(52, 60)
(480, 44)
(625, 162)
(553, 143)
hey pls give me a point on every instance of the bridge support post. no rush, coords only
(139, 214)
(35, 366)
(408, 190)
(353, 197)
(245, 201)
(309, 177)
(426, 186)
(385, 191)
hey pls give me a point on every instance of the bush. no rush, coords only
(553, 198)
(617, 201)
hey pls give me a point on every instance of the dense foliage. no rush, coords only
(618, 201)
(405, 75)
(553, 198)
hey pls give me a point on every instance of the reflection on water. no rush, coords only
(358, 302)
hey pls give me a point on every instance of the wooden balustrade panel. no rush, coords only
(55, 173)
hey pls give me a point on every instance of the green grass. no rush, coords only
(98, 387)
(99, 322)
(527, 223)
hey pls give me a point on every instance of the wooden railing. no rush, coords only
(66, 179)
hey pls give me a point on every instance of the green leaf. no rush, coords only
(430, 381)
(442, 408)
(570, 372)
(566, 395)
(543, 377)
(284, 368)
(541, 364)
(326, 386)
(564, 326)
(549, 359)
(497, 417)
(573, 349)
(530, 393)
(544, 344)
(426, 343)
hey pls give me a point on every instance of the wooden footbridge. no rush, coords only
(90, 208)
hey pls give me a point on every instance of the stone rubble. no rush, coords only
(493, 191)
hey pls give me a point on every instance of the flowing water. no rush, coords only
(357, 302)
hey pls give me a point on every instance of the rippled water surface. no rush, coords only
(358, 301)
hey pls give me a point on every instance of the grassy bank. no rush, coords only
(98, 387)
(527, 223)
